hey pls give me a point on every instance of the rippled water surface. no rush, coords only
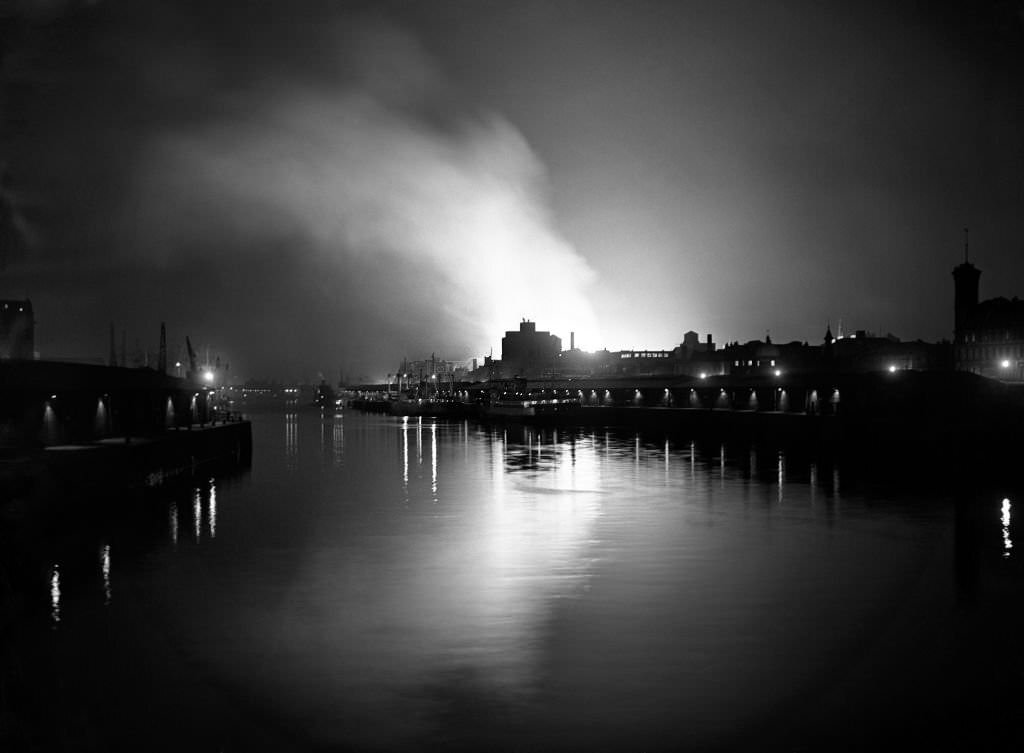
(376, 583)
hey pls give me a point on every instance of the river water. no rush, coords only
(377, 583)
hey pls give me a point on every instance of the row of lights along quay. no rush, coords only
(949, 406)
(90, 424)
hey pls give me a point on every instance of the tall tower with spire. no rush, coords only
(965, 282)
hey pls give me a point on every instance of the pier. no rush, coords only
(80, 424)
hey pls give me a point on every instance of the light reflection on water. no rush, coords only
(1005, 520)
(197, 513)
(605, 590)
(433, 461)
(105, 569)
(172, 520)
(291, 439)
(55, 594)
(212, 513)
(782, 476)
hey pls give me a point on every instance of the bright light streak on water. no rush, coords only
(212, 521)
(405, 455)
(197, 514)
(172, 515)
(433, 461)
(55, 595)
(782, 475)
(666, 461)
(105, 568)
(419, 440)
(291, 439)
(339, 440)
(1007, 543)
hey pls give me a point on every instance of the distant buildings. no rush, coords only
(17, 330)
(766, 358)
(988, 336)
(529, 352)
(988, 341)
(864, 352)
(532, 354)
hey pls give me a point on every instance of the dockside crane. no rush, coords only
(191, 359)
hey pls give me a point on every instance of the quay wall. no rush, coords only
(152, 461)
(44, 403)
(87, 425)
(899, 406)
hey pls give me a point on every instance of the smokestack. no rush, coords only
(161, 364)
(572, 341)
(710, 343)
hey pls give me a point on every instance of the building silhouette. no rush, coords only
(529, 352)
(988, 336)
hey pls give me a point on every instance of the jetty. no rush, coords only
(85, 424)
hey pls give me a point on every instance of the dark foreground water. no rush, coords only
(376, 584)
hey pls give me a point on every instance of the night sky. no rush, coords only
(303, 187)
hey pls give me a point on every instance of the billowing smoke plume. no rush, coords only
(338, 198)
(353, 175)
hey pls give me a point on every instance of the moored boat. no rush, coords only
(516, 400)
(531, 407)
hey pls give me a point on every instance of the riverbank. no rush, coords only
(127, 462)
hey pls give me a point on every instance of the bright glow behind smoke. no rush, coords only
(354, 174)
